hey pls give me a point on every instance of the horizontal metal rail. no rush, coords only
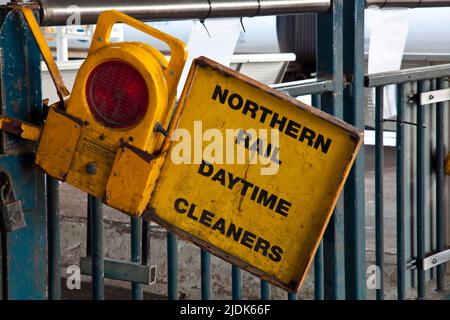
(59, 12)
(301, 88)
(407, 75)
(408, 3)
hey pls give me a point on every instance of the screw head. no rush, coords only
(91, 168)
(431, 97)
(434, 261)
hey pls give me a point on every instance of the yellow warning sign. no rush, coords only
(252, 175)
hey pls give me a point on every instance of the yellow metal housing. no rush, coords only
(79, 149)
(133, 178)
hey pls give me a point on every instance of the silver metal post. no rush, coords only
(60, 12)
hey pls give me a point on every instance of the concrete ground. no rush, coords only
(117, 238)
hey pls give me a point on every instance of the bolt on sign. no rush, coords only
(252, 175)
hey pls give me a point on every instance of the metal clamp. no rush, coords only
(435, 96)
(430, 261)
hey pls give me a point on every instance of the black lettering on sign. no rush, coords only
(255, 193)
(274, 120)
(257, 145)
(231, 231)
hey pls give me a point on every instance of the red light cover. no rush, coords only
(117, 94)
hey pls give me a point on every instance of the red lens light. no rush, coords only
(117, 94)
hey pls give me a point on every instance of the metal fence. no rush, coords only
(421, 148)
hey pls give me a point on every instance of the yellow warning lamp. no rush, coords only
(106, 137)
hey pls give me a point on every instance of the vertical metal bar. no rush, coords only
(98, 268)
(318, 259)
(354, 202)
(440, 186)
(89, 227)
(379, 203)
(136, 253)
(422, 87)
(206, 275)
(265, 290)
(236, 278)
(401, 260)
(146, 243)
(292, 296)
(318, 274)
(329, 65)
(54, 239)
(172, 266)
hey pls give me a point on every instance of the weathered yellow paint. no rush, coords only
(133, 178)
(23, 129)
(85, 157)
(309, 178)
(76, 148)
(30, 132)
(58, 143)
(447, 165)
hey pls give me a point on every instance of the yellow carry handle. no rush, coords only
(61, 89)
(177, 48)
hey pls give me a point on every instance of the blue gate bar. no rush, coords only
(330, 65)
(54, 239)
(354, 198)
(205, 260)
(318, 273)
(423, 86)
(318, 259)
(400, 215)
(440, 184)
(265, 290)
(236, 287)
(137, 292)
(98, 268)
(379, 205)
(89, 227)
(145, 243)
(292, 296)
(172, 266)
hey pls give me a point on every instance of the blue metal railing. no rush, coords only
(411, 84)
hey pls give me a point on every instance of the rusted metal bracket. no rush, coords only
(20, 128)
